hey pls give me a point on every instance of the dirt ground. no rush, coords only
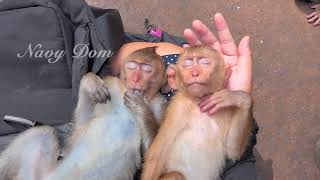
(286, 52)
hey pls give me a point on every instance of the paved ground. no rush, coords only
(286, 70)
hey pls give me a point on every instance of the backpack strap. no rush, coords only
(154, 34)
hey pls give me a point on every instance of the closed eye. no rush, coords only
(187, 63)
(131, 65)
(146, 67)
(203, 61)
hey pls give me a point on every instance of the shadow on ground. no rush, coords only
(304, 6)
(266, 165)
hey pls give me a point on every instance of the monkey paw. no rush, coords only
(225, 98)
(134, 100)
(100, 94)
(95, 87)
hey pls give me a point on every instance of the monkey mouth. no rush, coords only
(135, 87)
(196, 84)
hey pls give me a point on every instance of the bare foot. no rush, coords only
(315, 16)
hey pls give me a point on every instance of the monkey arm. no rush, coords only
(240, 127)
(146, 120)
(171, 127)
(84, 109)
(148, 127)
(240, 104)
(154, 114)
(155, 158)
(92, 91)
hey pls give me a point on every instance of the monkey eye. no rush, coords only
(146, 67)
(203, 61)
(187, 63)
(131, 65)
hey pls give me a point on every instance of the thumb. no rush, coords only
(245, 63)
(244, 47)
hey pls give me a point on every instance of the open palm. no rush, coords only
(237, 58)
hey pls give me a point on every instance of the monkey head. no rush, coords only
(143, 70)
(199, 71)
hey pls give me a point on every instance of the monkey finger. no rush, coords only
(106, 93)
(205, 99)
(129, 94)
(135, 96)
(208, 100)
(128, 102)
(221, 93)
(104, 97)
(99, 95)
(210, 105)
(126, 97)
(96, 97)
(218, 107)
(218, 96)
(132, 97)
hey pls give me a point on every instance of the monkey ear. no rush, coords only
(171, 77)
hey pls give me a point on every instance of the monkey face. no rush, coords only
(200, 71)
(144, 71)
(195, 73)
(139, 75)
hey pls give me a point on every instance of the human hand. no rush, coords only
(315, 16)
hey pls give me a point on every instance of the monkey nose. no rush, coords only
(136, 77)
(195, 73)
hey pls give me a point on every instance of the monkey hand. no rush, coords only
(225, 98)
(315, 16)
(95, 87)
(135, 101)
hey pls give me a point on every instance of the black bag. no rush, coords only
(39, 87)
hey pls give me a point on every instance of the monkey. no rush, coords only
(192, 144)
(115, 120)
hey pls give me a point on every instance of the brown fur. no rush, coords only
(189, 141)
